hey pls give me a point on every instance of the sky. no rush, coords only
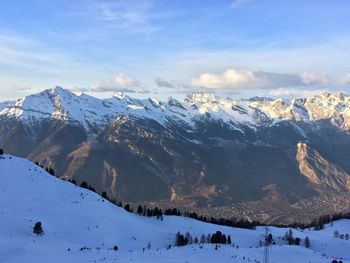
(163, 48)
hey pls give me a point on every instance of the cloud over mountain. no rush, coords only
(121, 82)
(243, 79)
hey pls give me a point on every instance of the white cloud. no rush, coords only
(229, 79)
(344, 80)
(125, 81)
(121, 82)
(294, 92)
(314, 78)
(240, 79)
(21, 88)
(111, 88)
(78, 89)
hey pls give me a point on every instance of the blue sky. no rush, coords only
(239, 48)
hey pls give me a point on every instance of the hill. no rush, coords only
(80, 226)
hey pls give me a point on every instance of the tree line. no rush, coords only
(317, 224)
(216, 238)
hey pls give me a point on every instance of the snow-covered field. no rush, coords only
(74, 218)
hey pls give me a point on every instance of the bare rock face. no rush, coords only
(203, 152)
(324, 175)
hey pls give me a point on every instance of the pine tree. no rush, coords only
(336, 234)
(229, 240)
(1, 151)
(51, 171)
(128, 208)
(208, 240)
(269, 239)
(104, 195)
(84, 185)
(307, 242)
(139, 210)
(289, 237)
(188, 238)
(202, 239)
(37, 229)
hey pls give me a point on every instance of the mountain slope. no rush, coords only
(203, 152)
(74, 218)
(320, 172)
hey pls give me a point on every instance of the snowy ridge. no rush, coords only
(61, 104)
(73, 218)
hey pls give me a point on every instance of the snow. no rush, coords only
(73, 218)
(62, 104)
(95, 114)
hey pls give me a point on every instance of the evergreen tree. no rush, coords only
(139, 210)
(289, 237)
(336, 234)
(188, 238)
(229, 240)
(51, 171)
(223, 239)
(128, 208)
(307, 242)
(84, 185)
(218, 238)
(37, 229)
(202, 239)
(1, 151)
(104, 195)
(208, 239)
(180, 240)
(91, 188)
(269, 239)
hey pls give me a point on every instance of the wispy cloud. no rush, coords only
(294, 93)
(238, 3)
(31, 55)
(129, 16)
(344, 80)
(315, 78)
(163, 83)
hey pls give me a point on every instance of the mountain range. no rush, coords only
(202, 152)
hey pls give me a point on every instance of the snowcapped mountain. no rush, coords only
(203, 152)
(80, 226)
(92, 113)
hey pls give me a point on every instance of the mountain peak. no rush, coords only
(59, 91)
(201, 97)
(119, 95)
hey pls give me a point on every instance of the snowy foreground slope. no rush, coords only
(73, 218)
